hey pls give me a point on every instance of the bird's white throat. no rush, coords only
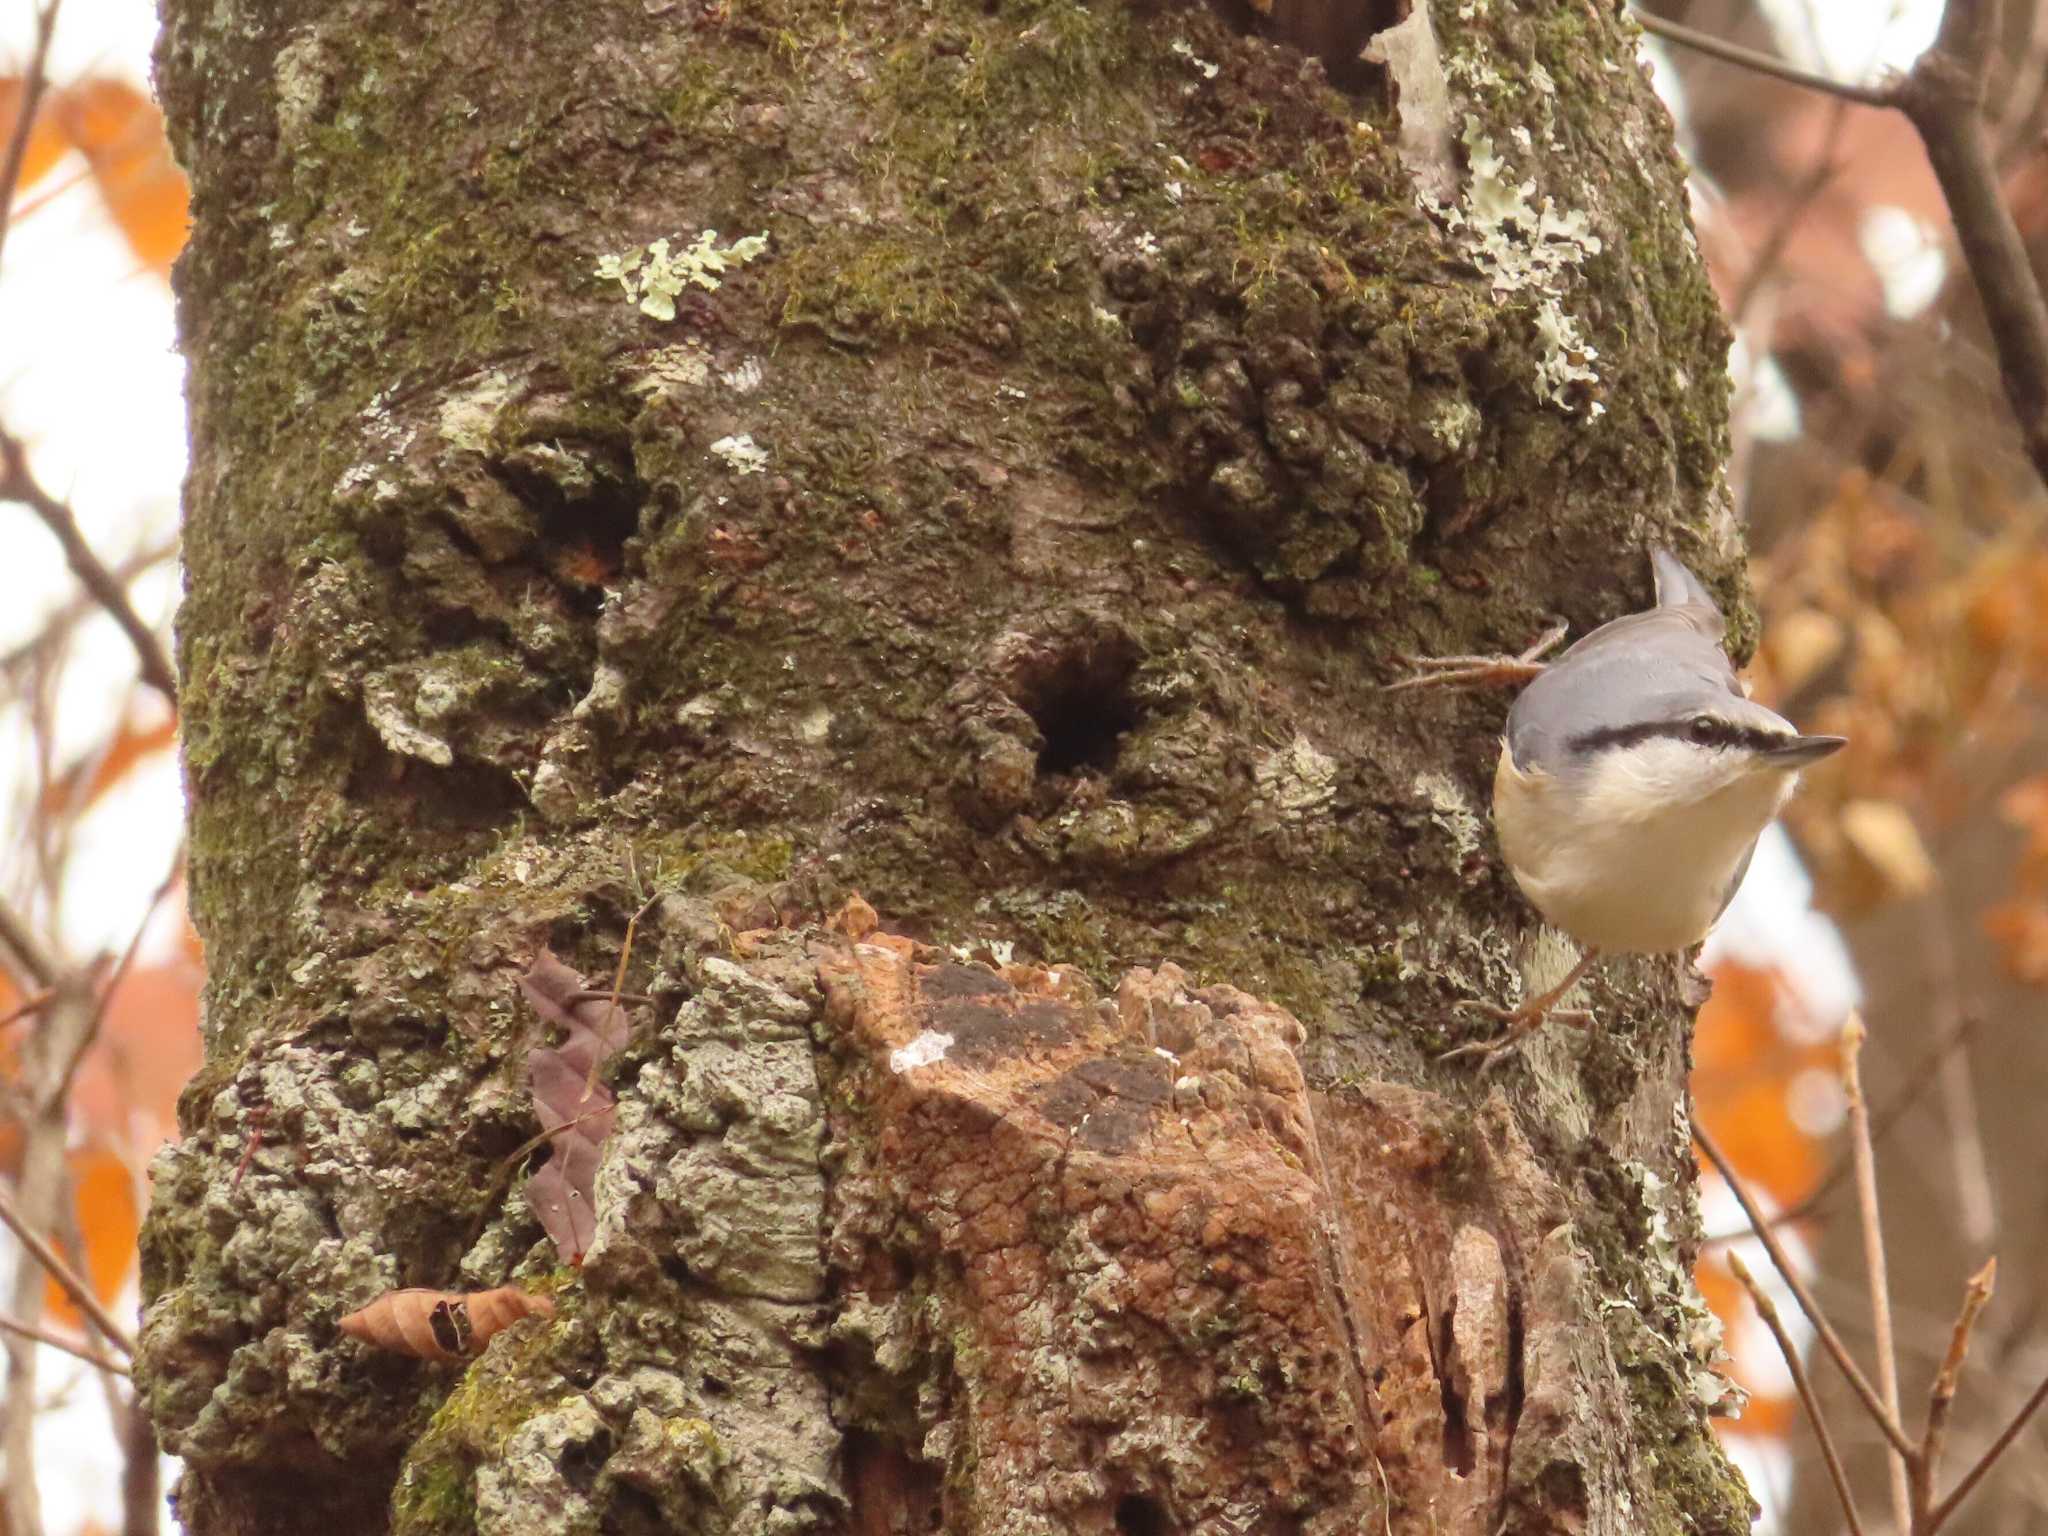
(1639, 851)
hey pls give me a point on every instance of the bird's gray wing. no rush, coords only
(1661, 661)
(1734, 885)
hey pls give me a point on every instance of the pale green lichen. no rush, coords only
(1297, 778)
(1451, 810)
(1529, 250)
(653, 277)
(468, 418)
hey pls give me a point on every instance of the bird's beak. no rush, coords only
(1802, 750)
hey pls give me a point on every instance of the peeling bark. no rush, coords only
(1019, 535)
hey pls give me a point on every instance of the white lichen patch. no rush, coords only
(742, 455)
(744, 377)
(927, 1048)
(468, 419)
(301, 75)
(1529, 250)
(652, 276)
(1181, 48)
(1451, 810)
(395, 727)
(1298, 778)
(1454, 423)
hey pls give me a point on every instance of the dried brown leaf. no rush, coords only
(442, 1325)
(573, 1106)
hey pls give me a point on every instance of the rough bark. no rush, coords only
(1020, 538)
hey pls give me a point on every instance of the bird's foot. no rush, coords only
(1521, 1022)
(1477, 671)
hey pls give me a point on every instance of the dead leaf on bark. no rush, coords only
(574, 1107)
(442, 1325)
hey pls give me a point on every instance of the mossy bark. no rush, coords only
(1020, 538)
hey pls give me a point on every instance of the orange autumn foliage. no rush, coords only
(123, 1106)
(1744, 1071)
(119, 133)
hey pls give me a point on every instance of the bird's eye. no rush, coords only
(1703, 729)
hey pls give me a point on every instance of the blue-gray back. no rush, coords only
(1663, 664)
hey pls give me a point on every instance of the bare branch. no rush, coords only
(66, 1277)
(1941, 1399)
(61, 1085)
(1782, 1262)
(1944, 96)
(1984, 1463)
(36, 81)
(55, 1340)
(1763, 63)
(18, 484)
(1853, 1036)
(20, 941)
(35, 1002)
(1768, 1311)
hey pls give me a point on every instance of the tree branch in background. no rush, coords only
(24, 125)
(55, 1340)
(66, 1277)
(62, 1086)
(18, 484)
(1902, 1478)
(1803, 1386)
(1943, 97)
(1984, 1463)
(20, 944)
(33, 1003)
(1762, 63)
(1782, 1262)
(1942, 1397)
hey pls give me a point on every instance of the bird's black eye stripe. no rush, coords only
(1700, 730)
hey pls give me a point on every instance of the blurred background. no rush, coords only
(1899, 566)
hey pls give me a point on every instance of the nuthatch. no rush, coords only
(1634, 780)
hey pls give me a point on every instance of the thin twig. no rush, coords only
(1941, 1398)
(611, 1009)
(17, 483)
(1885, 1420)
(1768, 1311)
(65, 618)
(1976, 1210)
(62, 1084)
(33, 1003)
(65, 1276)
(1882, 1123)
(1984, 1463)
(1853, 1036)
(20, 941)
(33, 86)
(83, 1351)
(1763, 63)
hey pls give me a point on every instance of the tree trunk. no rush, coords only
(1020, 536)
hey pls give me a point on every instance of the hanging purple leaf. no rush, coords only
(570, 1100)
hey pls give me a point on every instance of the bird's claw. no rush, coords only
(1521, 1023)
(1477, 671)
